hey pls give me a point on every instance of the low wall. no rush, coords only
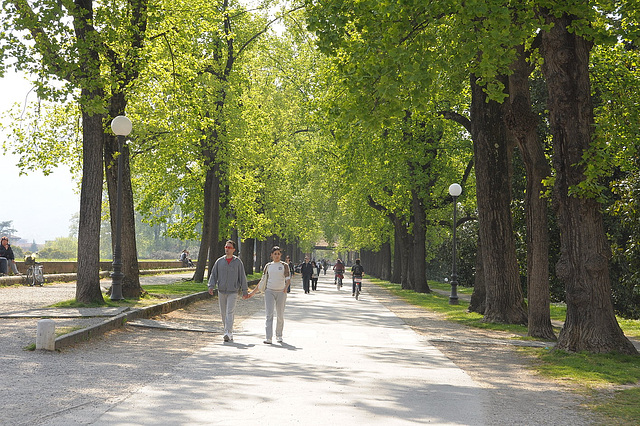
(72, 267)
(72, 276)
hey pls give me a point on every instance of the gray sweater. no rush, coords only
(229, 276)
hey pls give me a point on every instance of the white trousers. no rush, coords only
(274, 299)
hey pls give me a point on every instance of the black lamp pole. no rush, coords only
(121, 126)
(454, 190)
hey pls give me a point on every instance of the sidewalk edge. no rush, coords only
(121, 319)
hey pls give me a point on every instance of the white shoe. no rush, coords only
(267, 342)
(279, 339)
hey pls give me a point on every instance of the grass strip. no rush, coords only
(152, 294)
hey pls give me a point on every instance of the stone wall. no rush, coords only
(71, 267)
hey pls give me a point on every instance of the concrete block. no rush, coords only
(46, 335)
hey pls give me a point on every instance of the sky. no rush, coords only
(41, 207)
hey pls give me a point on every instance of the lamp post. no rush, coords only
(454, 190)
(121, 126)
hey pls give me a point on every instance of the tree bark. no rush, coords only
(505, 301)
(131, 288)
(478, 301)
(385, 263)
(216, 247)
(207, 222)
(419, 266)
(126, 72)
(523, 124)
(396, 276)
(247, 255)
(259, 261)
(88, 277)
(131, 281)
(584, 253)
(405, 253)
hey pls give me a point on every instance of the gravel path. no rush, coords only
(46, 387)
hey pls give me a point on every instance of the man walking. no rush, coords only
(228, 274)
(306, 269)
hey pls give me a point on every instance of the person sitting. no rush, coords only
(185, 259)
(7, 259)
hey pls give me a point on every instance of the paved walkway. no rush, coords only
(343, 361)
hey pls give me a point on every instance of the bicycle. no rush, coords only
(338, 280)
(358, 283)
(35, 272)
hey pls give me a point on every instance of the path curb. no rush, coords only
(121, 320)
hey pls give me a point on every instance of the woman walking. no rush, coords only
(315, 275)
(278, 279)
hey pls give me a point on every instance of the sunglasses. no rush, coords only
(229, 247)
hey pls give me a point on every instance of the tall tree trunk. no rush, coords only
(259, 258)
(523, 123)
(88, 277)
(266, 252)
(126, 73)
(216, 247)
(396, 276)
(247, 255)
(419, 266)
(404, 253)
(505, 301)
(584, 253)
(131, 288)
(385, 261)
(131, 281)
(207, 222)
(478, 301)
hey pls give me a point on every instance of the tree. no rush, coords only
(6, 228)
(590, 324)
(523, 124)
(60, 248)
(211, 52)
(492, 152)
(363, 36)
(71, 43)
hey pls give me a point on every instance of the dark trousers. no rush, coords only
(305, 283)
(314, 283)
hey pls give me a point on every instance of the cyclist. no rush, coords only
(357, 271)
(339, 269)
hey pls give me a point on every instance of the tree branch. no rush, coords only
(50, 54)
(458, 118)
